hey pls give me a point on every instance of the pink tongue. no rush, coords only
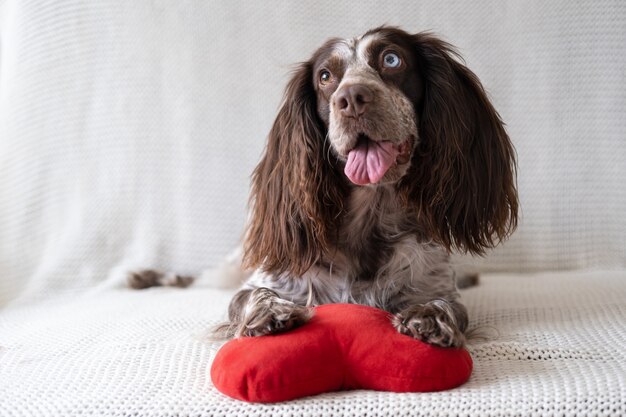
(369, 161)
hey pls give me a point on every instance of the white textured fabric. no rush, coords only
(128, 129)
(556, 347)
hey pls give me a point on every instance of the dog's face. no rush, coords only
(367, 91)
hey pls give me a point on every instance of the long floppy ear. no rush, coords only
(463, 173)
(296, 194)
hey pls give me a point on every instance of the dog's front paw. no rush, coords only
(434, 322)
(267, 313)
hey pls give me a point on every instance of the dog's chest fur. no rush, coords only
(380, 259)
(372, 227)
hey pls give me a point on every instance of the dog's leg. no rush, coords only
(260, 311)
(148, 278)
(439, 322)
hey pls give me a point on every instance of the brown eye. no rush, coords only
(325, 77)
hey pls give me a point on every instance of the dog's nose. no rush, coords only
(352, 100)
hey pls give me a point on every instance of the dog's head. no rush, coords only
(392, 109)
(367, 92)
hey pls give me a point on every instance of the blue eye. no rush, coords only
(391, 60)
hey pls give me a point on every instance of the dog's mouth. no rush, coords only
(369, 160)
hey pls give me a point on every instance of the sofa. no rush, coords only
(128, 132)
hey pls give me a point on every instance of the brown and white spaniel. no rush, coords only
(385, 156)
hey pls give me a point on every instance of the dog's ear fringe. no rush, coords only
(297, 195)
(462, 180)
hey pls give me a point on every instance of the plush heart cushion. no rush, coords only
(344, 346)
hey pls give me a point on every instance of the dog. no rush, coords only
(386, 155)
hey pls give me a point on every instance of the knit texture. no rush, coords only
(129, 129)
(555, 346)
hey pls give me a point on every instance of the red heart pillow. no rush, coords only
(344, 346)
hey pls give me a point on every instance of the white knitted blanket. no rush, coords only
(129, 129)
(556, 346)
